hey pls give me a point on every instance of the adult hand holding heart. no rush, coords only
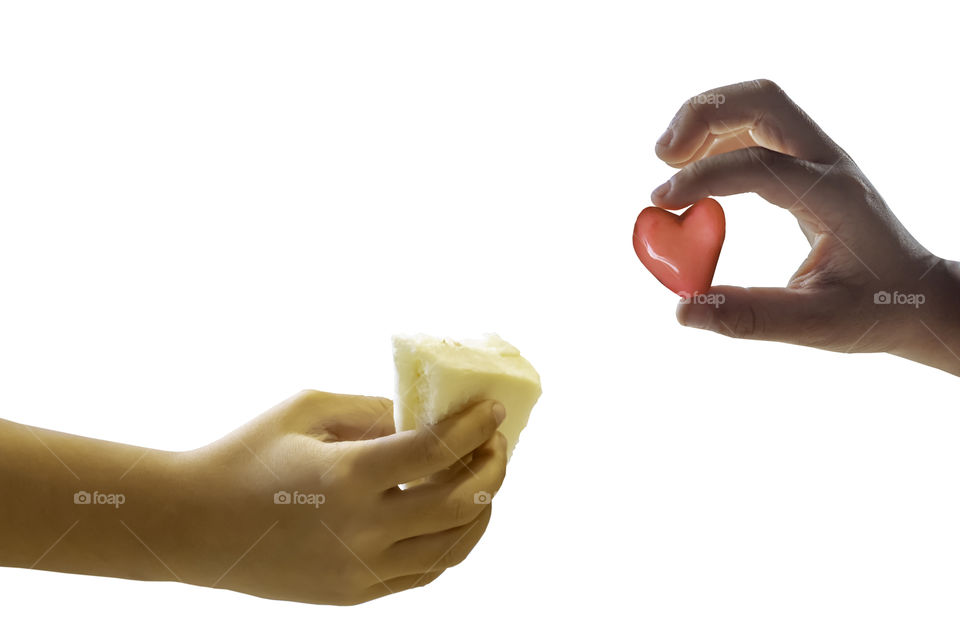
(681, 251)
(756, 139)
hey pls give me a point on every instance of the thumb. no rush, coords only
(756, 313)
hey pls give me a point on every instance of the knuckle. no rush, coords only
(768, 87)
(501, 471)
(699, 176)
(371, 404)
(694, 104)
(431, 450)
(692, 175)
(850, 184)
(344, 467)
(382, 404)
(454, 510)
(765, 158)
(481, 419)
(499, 462)
(705, 104)
(501, 445)
(746, 323)
(456, 554)
(458, 510)
(427, 579)
(310, 397)
(451, 555)
(688, 108)
(489, 425)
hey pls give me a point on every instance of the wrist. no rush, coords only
(213, 510)
(932, 329)
(179, 521)
(124, 528)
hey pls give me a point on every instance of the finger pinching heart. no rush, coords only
(681, 251)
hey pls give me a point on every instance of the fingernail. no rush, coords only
(665, 137)
(499, 413)
(662, 190)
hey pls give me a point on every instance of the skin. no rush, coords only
(751, 137)
(212, 517)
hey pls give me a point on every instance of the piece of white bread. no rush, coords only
(439, 377)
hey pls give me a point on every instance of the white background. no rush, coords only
(205, 207)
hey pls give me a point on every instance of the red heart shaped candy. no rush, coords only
(681, 251)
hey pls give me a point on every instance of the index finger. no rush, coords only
(743, 115)
(411, 455)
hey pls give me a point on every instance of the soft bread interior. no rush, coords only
(438, 377)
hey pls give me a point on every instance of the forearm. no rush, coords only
(931, 329)
(80, 505)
